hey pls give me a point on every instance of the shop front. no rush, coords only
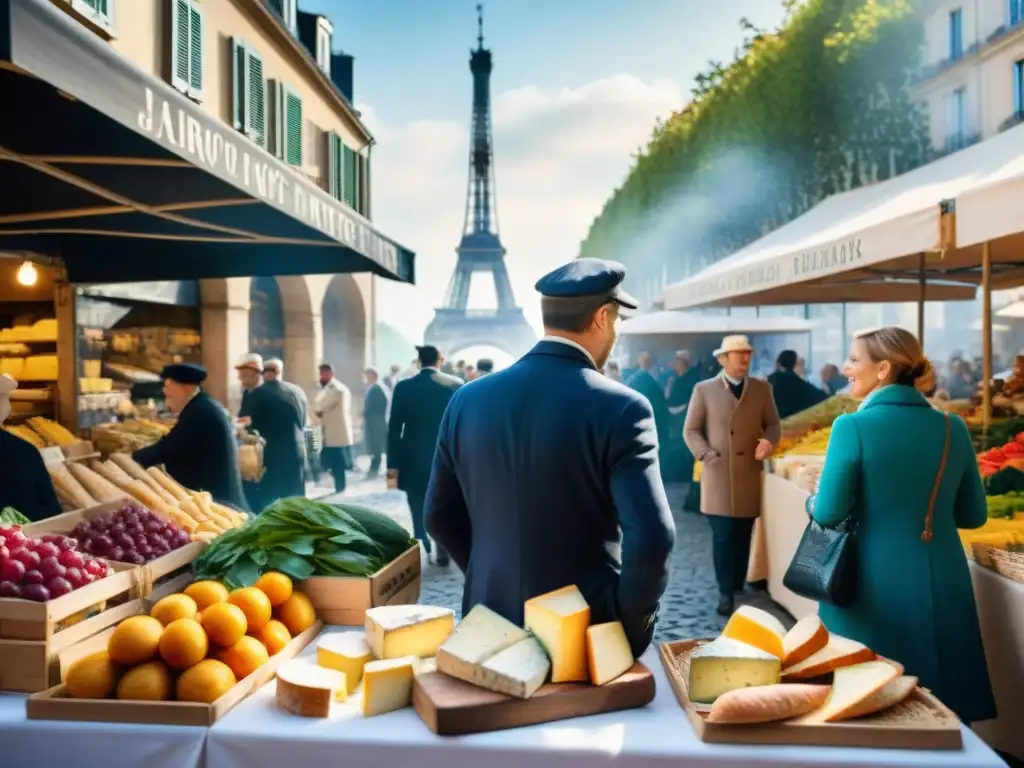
(112, 177)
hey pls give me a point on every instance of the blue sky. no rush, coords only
(577, 86)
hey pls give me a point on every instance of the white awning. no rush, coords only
(849, 236)
(696, 323)
(994, 208)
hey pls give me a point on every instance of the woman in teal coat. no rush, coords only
(915, 601)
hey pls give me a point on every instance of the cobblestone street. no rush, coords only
(687, 610)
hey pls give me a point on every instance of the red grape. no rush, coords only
(12, 570)
(29, 558)
(104, 569)
(58, 587)
(102, 545)
(124, 541)
(117, 553)
(10, 589)
(47, 549)
(135, 558)
(117, 529)
(76, 576)
(4, 552)
(16, 539)
(67, 544)
(71, 559)
(93, 566)
(89, 577)
(51, 568)
(33, 577)
(36, 592)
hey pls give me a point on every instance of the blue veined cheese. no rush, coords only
(725, 665)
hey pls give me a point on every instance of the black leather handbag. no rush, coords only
(824, 567)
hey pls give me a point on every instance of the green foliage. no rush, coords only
(818, 107)
(392, 348)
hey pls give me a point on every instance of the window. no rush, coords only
(956, 34)
(324, 33)
(287, 10)
(1018, 88)
(99, 12)
(248, 92)
(1016, 11)
(187, 48)
(348, 175)
(956, 118)
(286, 123)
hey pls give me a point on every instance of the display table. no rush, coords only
(1000, 609)
(257, 733)
(49, 744)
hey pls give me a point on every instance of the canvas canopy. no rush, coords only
(695, 323)
(873, 243)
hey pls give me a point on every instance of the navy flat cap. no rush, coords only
(587, 278)
(184, 373)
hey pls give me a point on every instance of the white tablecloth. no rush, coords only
(257, 733)
(50, 744)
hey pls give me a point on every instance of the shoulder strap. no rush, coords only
(926, 536)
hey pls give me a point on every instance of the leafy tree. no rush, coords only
(815, 108)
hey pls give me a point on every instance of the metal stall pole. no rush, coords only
(920, 302)
(986, 335)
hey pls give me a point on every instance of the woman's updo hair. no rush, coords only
(903, 352)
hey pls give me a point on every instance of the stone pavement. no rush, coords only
(687, 610)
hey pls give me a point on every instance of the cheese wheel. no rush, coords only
(767, 703)
(757, 628)
(308, 690)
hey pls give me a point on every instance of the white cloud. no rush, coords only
(558, 156)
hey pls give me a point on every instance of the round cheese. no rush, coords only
(307, 690)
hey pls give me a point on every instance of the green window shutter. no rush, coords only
(255, 123)
(293, 127)
(334, 165)
(364, 185)
(275, 110)
(348, 191)
(180, 44)
(239, 78)
(195, 50)
(99, 6)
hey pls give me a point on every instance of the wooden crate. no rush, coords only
(168, 586)
(79, 451)
(343, 600)
(28, 666)
(920, 722)
(173, 564)
(55, 704)
(28, 620)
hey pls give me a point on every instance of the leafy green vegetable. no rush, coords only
(303, 538)
(11, 516)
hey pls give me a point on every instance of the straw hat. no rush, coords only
(736, 343)
(251, 360)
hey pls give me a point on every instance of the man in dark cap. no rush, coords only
(484, 366)
(541, 492)
(792, 394)
(200, 451)
(417, 406)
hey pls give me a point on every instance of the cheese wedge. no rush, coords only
(516, 671)
(851, 688)
(725, 665)
(481, 634)
(757, 628)
(396, 631)
(559, 620)
(387, 685)
(608, 652)
(806, 638)
(345, 652)
(892, 694)
(307, 689)
(838, 652)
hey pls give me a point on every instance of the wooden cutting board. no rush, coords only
(450, 707)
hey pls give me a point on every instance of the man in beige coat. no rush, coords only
(731, 427)
(333, 407)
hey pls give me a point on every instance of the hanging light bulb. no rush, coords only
(27, 273)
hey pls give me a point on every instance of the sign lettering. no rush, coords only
(221, 152)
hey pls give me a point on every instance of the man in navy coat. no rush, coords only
(417, 406)
(536, 487)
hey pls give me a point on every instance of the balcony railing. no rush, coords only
(928, 71)
(1012, 121)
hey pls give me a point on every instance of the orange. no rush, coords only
(173, 607)
(206, 682)
(274, 635)
(151, 681)
(224, 623)
(136, 640)
(91, 677)
(275, 586)
(206, 593)
(297, 613)
(183, 643)
(244, 657)
(254, 604)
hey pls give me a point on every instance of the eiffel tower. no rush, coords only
(455, 327)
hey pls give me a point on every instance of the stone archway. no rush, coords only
(343, 318)
(266, 318)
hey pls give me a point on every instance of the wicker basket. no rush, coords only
(250, 459)
(1009, 564)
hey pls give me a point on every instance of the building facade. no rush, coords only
(272, 72)
(971, 81)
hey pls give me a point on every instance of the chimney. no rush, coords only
(341, 73)
(306, 31)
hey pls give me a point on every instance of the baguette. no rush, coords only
(98, 487)
(145, 496)
(168, 484)
(182, 520)
(118, 478)
(133, 469)
(64, 481)
(767, 703)
(239, 518)
(191, 509)
(205, 536)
